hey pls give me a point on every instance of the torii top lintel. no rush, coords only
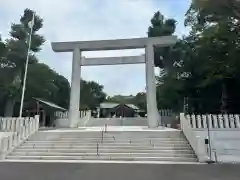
(115, 44)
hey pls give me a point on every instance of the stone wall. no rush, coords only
(14, 131)
(221, 131)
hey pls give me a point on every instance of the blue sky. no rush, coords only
(69, 20)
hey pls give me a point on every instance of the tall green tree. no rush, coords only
(161, 27)
(163, 57)
(17, 48)
(217, 25)
(205, 65)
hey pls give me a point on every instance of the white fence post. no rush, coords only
(209, 121)
(194, 121)
(215, 121)
(237, 120)
(37, 122)
(226, 120)
(8, 125)
(220, 120)
(232, 120)
(204, 120)
(199, 121)
(4, 124)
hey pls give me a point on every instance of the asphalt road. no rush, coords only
(89, 171)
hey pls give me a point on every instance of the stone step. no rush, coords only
(111, 154)
(123, 158)
(116, 145)
(108, 142)
(106, 138)
(100, 130)
(105, 150)
(110, 134)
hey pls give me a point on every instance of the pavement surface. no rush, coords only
(89, 171)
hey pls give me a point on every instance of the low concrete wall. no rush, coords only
(224, 144)
(5, 134)
(14, 131)
(222, 132)
(194, 140)
(167, 117)
(62, 123)
(137, 121)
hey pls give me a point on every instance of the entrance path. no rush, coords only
(89, 171)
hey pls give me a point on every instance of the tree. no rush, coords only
(17, 47)
(217, 25)
(63, 94)
(2, 48)
(121, 99)
(161, 27)
(205, 66)
(212, 10)
(49, 86)
(91, 95)
(140, 100)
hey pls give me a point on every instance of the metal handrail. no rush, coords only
(97, 148)
(104, 130)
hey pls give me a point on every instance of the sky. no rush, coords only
(76, 20)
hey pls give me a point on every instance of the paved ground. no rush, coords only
(89, 171)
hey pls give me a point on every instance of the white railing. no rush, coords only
(85, 116)
(222, 131)
(126, 121)
(165, 112)
(64, 115)
(61, 115)
(21, 129)
(63, 121)
(167, 117)
(196, 142)
(220, 121)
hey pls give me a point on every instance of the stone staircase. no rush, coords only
(114, 146)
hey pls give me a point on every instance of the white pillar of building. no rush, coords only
(152, 112)
(75, 89)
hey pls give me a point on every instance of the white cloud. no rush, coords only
(66, 20)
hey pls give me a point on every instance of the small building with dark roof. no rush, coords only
(108, 109)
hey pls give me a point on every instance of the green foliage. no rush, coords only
(205, 12)
(161, 27)
(140, 101)
(20, 36)
(205, 63)
(42, 82)
(2, 49)
(13, 54)
(91, 95)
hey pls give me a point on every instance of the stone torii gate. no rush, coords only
(77, 47)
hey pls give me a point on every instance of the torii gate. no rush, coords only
(77, 47)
